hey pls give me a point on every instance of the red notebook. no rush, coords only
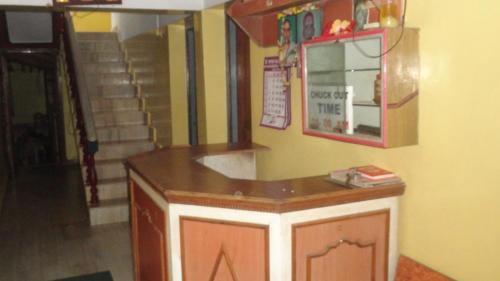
(374, 172)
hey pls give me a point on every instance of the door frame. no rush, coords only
(238, 84)
(5, 118)
(191, 81)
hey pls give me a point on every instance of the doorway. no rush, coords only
(191, 81)
(36, 121)
(239, 95)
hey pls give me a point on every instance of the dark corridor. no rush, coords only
(36, 121)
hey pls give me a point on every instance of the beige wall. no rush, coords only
(214, 63)
(449, 213)
(211, 84)
(178, 91)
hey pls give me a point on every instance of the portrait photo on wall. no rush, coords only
(309, 25)
(288, 48)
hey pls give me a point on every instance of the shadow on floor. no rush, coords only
(44, 230)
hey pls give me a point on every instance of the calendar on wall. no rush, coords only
(276, 101)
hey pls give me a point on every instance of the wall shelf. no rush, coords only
(258, 18)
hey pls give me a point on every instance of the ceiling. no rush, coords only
(29, 27)
(187, 5)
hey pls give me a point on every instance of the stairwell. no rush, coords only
(122, 126)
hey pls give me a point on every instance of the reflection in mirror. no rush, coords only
(342, 88)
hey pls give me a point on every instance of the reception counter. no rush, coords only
(198, 213)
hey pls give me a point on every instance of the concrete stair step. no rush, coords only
(159, 113)
(110, 211)
(155, 89)
(154, 93)
(148, 67)
(110, 169)
(163, 129)
(138, 46)
(115, 104)
(109, 79)
(83, 36)
(98, 57)
(105, 67)
(114, 91)
(161, 123)
(123, 133)
(152, 78)
(105, 119)
(157, 101)
(146, 56)
(146, 37)
(114, 188)
(123, 149)
(100, 46)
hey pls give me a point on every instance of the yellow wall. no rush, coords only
(214, 64)
(449, 213)
(92, 21)
(178, 91)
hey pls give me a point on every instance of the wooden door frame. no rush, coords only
(5, 118)
(238, 72)
(191, 81)
(56, 124)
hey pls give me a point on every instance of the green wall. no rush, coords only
(28, 95)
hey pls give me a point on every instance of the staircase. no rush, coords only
(147, 57)
(122, 126)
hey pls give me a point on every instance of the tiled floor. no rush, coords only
(44, 233)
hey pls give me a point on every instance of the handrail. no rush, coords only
(80, 96)
(82, 85)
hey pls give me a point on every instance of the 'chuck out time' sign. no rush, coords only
(329, 108)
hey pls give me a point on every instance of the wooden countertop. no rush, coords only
(175, 174)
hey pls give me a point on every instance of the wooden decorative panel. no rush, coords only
(351, 248)
(352, 260)
(223, 269)
(223, 251)
(149, 238)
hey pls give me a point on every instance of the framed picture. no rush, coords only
(309, 25)
(287, 30)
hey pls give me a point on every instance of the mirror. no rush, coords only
(343, 88)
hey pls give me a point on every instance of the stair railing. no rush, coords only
(72, 57)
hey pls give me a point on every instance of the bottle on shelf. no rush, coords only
(377, 93)
(389, 13)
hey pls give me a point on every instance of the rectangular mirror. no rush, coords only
(343, 88)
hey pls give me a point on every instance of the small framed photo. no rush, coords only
(309, 25)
